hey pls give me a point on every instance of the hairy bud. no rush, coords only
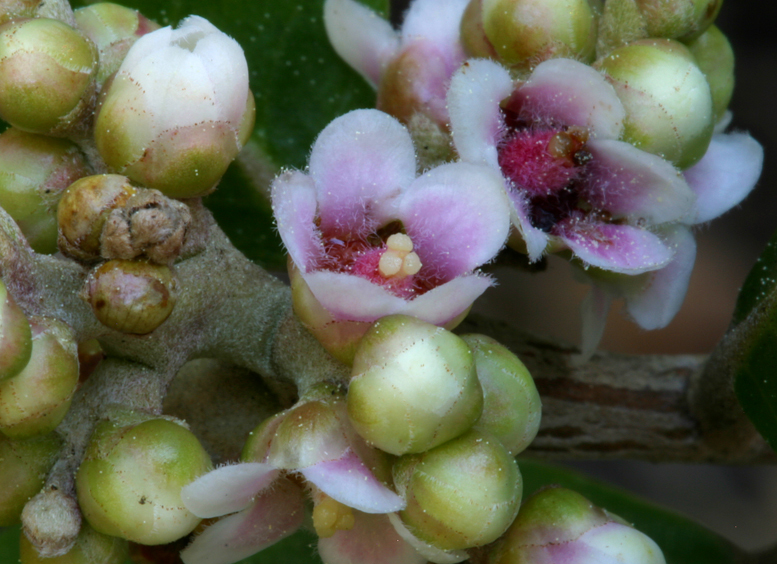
(35, 400)
(129, 483)
(461, 494)
(666, 97)
(91, 547)
(51, 522)
(131, 296)
(511, 402)
(414, 386)
(46, 75)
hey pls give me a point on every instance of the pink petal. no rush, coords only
(655, 302)
(477, 122)
(727, 173)
(359, 162)
(431, 553)
(351, 298)
(618, 248)
(535, 239)
(294, 207)
(629, 182)
(436, 23)
(361, 37)
(350, 482)
(371, 541)
(567, 92)
(227, 489)
(444, 303)
(457, 216)
(594, 309)
(274, 515)
(618, 543)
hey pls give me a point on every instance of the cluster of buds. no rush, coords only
(605, 120)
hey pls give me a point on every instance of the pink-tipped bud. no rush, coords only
(129, 483)
(511, 402)
(35, 400)
(461, 494)
(559, 526)
(414, 386)
(34, 172)
(47, 73)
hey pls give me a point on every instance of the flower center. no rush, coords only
(330, 516)
(548, 165)
(398, 260)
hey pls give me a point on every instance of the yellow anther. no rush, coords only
(399, 242)
(399, 260)
(411, 264)
(390, 263)
(330, 516)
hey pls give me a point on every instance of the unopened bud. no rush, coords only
(414, 386)
(172, 116)
(715, 58)
(557, 525)
(35, 400)
(46, 75)
(461, 494)
(113, 29)
(15, 336)
(129, 483)
(526, 32)
(23, 468)
(131, 296)
(666, 96)
(34, 172)
(91, 547)
(511, 402)
(678, 19)
(473, 36)
(17, 9)
(83, 210)
(51, 522)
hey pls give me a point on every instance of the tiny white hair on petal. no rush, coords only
(436, 22)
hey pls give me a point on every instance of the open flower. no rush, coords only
(315, 440)
(411, 69)
(366, 238)
(575, 187)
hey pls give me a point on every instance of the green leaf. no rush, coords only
(760, 282)
(9, 544)
(682, 540)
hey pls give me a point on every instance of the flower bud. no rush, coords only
(51, 521)
(17, 9)
(46, 75)
(556, 526)
(715, 58)
(15, 336)
(129, 483)
(35, 400)
(511, 403)
(678, 19)
(526, 32)
(34, 172)
(23, 468)
(113, 29)
(131, 296)
(83, 210)
(666, 97)
(172, 115)
(414, 386)
(461, 494)
(91, 547)
(473, 36)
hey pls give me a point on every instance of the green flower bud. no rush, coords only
(91, 548)
(113, 29)
(559, 526)
(667, 99)
(414, 386)
(511, 403)
(35, 400)
(131, 296)
(17, 9)
(526, 32)
(461, 494)
(23, 468)
(46, 75)
(678, 19)
(473, 36)
(129, 483)
(15, 336)
(715, 58)
(34, 172)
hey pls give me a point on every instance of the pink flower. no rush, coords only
(411, 69)
(366, 238)
(576, 188)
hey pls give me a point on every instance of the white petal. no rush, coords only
(227, 489)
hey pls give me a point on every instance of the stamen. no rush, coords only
(390, 263)
(330, 516)
(400, 242)
(399, 261)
